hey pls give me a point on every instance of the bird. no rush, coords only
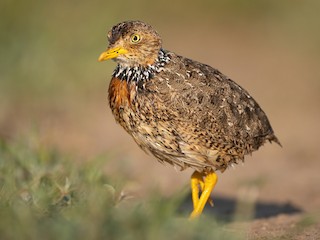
(181, 111)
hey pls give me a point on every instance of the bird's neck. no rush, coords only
(142, 73)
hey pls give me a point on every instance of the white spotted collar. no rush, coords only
(139, 74)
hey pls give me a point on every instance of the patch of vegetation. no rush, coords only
(44, 195)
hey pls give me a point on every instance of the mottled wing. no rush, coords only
(209, 106)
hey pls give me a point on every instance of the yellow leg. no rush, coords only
(196, 180)
(208, 185)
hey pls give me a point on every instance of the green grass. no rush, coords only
(44, 195)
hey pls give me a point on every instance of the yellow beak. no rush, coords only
(112, 53)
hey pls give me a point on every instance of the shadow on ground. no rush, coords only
(228, 209)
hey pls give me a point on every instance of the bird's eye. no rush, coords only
(135, 38)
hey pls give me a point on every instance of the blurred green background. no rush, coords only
(52, 87)
(51, 80)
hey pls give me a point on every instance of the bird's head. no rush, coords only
(132, 44)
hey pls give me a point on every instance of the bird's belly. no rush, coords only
(162, 140)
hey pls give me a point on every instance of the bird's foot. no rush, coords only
(206, 183)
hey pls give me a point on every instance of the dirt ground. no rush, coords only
(283, 183)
